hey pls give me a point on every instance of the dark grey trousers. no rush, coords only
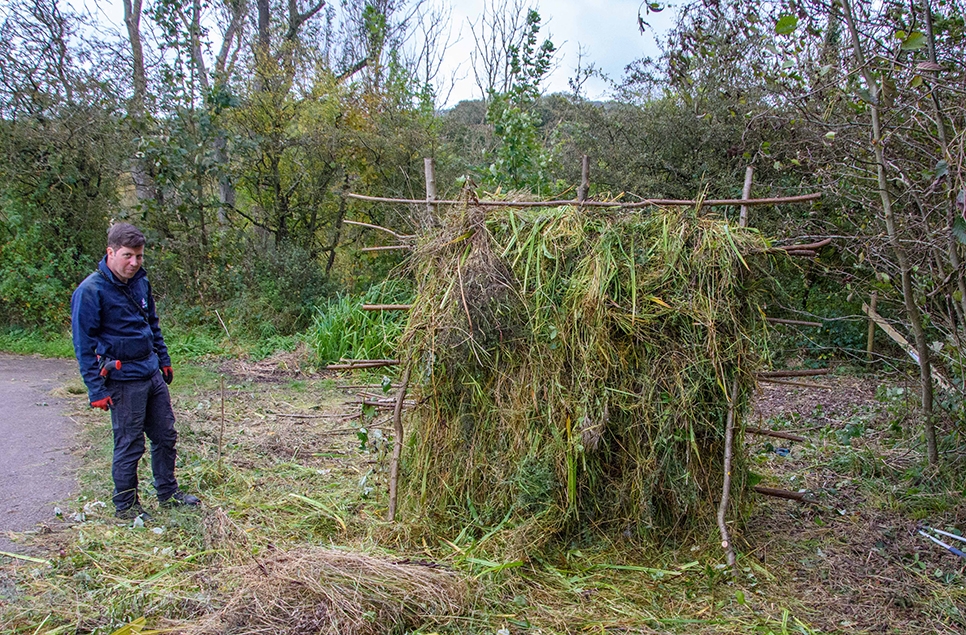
(142, 408)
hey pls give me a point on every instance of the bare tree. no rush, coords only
(501, 26)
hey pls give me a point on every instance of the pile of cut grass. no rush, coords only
(328, 591)
(575, 368)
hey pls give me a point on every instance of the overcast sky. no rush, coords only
(606, 30)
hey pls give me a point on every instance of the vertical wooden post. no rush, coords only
(221, 435)
(397, 443)
(726, 485)
(745, 195)
(430, 169)
(584, 190)
(872, 303)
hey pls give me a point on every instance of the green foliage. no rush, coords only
(522, 161)
(342, 330)
(58, 184)
(33, 342)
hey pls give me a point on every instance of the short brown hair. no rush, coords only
(124, 235)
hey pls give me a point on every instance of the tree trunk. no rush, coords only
(141, 173)
(908, 297)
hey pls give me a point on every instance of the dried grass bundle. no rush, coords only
(326, 591)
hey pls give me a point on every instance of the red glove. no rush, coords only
(104, 404)
(167, 374)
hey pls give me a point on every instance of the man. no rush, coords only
(125, 364)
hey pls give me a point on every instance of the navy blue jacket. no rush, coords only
(116, 321)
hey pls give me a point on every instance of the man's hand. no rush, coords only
(167, 374)
(104, 404)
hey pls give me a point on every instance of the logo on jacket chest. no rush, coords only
(144, 303)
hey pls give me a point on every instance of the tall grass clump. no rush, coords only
(574, 369)
(342, 330)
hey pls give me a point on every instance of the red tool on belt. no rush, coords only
(106, 364)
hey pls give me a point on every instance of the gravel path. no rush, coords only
(37, 468)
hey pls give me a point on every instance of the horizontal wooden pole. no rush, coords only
(776, 434)
(655, 202)
(797, 384)
(784, 493)
(363, 364)
(792, 322)
(386, 307)
(379, 228)
(808, 247)
(385, 248)
(795, 373)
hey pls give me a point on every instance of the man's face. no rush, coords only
(124, 262)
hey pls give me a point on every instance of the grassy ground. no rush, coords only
(292, 529)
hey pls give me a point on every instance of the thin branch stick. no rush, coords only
(218, 315)
(792, 322)
(784, 493)
(809, 246)
(297, 415)
(726, 486)
(776, 434)
(386, 307)
(397, 444)
(363, 364)
(221, 435)
(873, 301)
(384, 404)
(797, 384)
(654, 202)
(378, 227)
(385, 248)
(794, 373)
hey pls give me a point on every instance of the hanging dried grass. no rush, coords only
(573, 367)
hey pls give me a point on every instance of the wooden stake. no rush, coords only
(221, 435)
(584, 190)
(430, 170)
(745, 195)
(872, 305)
(726, 486)
(397, 444)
